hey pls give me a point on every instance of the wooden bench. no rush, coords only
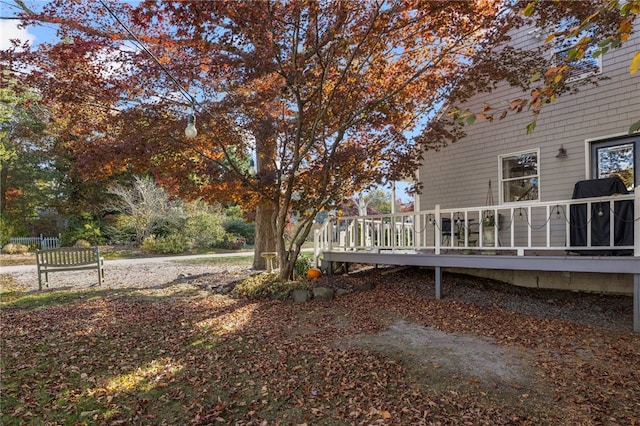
(68, 259)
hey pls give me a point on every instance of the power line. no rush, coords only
(180, 87)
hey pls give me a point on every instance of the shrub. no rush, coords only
(232, 242)
(170, 244)
(269, 286)
(82, 227)
(233, 212)
(118, 229)
(240, 227)
(82, 244)
(302, 265)
(12, 248)
(9, 228)
(203, 226)
(145, 208)
(183, 228)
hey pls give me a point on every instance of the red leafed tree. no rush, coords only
(322, 94)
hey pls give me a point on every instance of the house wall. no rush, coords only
(458, 175)
(571, 281)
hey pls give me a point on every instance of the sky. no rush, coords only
(9, 30)
(9, 27)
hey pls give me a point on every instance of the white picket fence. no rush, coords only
(41, 242)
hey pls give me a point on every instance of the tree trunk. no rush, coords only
(287, 263)
(265, 239)
(286, 267)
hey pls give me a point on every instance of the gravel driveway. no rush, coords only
(131, 273)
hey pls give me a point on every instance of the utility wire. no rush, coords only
(233, 166)
(180, 87)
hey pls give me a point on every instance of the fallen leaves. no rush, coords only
(135, 358)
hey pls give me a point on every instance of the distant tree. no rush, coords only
(372, 202)
(29, 181)
(145, 207)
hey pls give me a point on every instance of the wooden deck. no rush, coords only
(528, 236)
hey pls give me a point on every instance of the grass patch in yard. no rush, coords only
(27, 300)
(17, 259)
(226, 260)
(10, 290)
(116, 252)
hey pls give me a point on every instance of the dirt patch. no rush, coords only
(440, 354)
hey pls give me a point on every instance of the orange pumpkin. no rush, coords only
(314, 273)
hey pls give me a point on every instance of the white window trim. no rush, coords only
(587, 151)
(584, 75)
(588, 158)
(500, 177)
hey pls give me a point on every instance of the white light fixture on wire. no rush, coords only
(190, 131)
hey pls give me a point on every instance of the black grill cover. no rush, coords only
(623, 217)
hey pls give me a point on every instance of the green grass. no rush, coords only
(17, 259)
(15, 296)
(230, 260)
(133, 253)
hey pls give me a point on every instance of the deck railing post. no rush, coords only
(636, 302)
(316, 247)
(393, 231)
(331, 232)
(438, 233)
(417, 226)
(567, 225)
(636, 253)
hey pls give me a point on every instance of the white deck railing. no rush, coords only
(576, 225)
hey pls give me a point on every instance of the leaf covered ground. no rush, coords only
(180, 355)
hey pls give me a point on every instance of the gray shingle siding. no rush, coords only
(458, 174)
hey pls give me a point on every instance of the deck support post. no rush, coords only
(636, 302)
(636, 253)
(438, 277)
(636, 222)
